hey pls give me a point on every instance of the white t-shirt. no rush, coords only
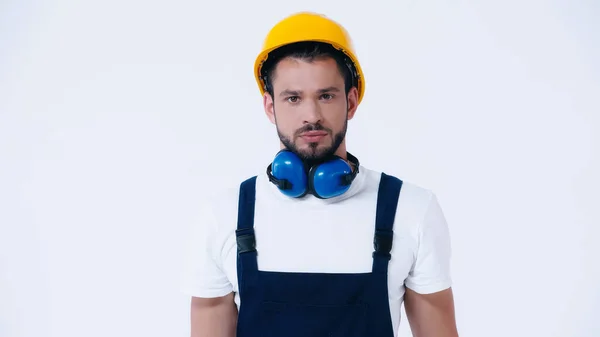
(328, 236)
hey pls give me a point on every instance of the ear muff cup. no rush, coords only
(327, 180)
(289, 169)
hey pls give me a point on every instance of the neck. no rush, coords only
(341, 151)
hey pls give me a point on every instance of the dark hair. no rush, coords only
(309, 50)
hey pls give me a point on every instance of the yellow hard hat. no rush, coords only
(307, 26)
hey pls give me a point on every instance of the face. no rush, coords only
(310, 108)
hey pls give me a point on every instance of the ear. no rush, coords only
(269, 107)
(352, 102)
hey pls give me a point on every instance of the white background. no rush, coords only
(117, 118)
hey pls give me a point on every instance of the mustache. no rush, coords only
(312, 127)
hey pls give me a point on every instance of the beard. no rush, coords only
(313, 154)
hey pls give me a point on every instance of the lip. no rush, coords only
(313, 134)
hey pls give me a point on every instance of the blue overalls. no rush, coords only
(281, 304)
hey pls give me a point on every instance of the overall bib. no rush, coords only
(282, 304)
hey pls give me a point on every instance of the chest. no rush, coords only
(327, 239)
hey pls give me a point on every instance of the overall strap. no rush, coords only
(247, 268)
(387, 203)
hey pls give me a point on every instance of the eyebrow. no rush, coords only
(297, 92)
(288, 92)
(329, 89)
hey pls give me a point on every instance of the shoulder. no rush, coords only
(216, 213)
(219, 207)
(417, 211)
(413, 197)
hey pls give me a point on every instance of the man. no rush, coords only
(318, 245)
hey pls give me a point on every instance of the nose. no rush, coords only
(313, 113)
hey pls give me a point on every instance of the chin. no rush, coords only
(319, 146)
(316, 151)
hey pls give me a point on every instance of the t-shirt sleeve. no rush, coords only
(431, 269)
(203, 275)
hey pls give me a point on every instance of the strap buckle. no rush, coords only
(246, 240)
(382, 243)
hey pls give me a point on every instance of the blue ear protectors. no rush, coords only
(325, 180)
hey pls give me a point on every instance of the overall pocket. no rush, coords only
(313, 320)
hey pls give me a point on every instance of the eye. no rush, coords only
(293, 99)
(327, 96)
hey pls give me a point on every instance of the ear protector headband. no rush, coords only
(325, 180)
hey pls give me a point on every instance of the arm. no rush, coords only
(213, 312)
(429, 300)
(213, 317)
(431, 315)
